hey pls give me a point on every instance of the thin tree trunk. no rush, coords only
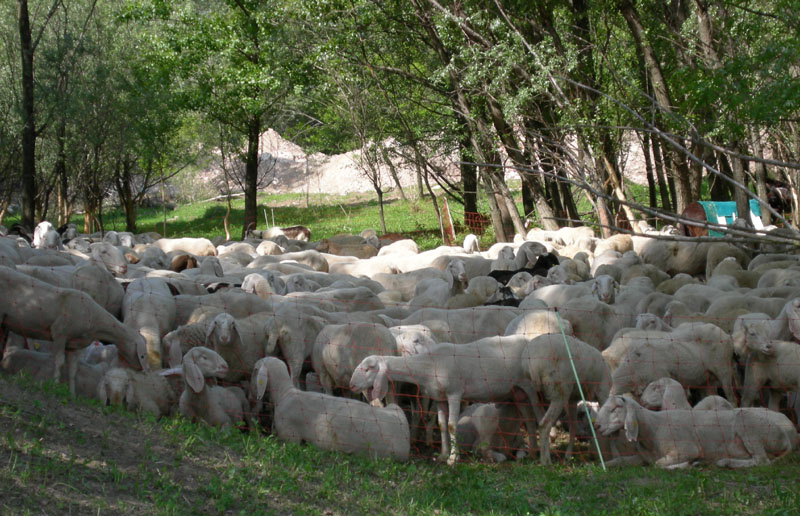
(393, 172)
(760, 173)
(648, 167)
(29, 120)
(251, 176)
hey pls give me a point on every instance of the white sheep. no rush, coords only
(136, 390)
(676, 438)
(770, 362)
(704, 354)
(471, 244)
(548, 371)
(294, 332)
(492, 430)
(67, 317)
(533, 323)
(339, 348)
(241, 342)
(195, 246)
(484, 370)
(329, 422)
(435, 292)
(464, 325)
(669, 394)
(215, 405)
(149, 308)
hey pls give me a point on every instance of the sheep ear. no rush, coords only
(175, 355)
(739, 339)
(262, 378)
(193, 375)
(212, 324)
(631, 423)
(141, 352)
(380, 385)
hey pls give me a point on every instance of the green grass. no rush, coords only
(176, 467)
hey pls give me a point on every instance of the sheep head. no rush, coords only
(792, 314)
(752, 332)
(261, 376)
(221, 329)
(605, 288)
(200, 362)
(370, 378)
(413, 342)
(110, 257)
(456, 274)
(618, 412)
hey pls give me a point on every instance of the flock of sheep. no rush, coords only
(367, 346)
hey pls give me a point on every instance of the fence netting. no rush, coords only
(344, 367)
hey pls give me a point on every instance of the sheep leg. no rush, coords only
(527, 406)
(572, 420)
(454, 409)
(774, 400)
(59, 354)
(750, 388)
(72, 370)
(553, 411)
(442, 417)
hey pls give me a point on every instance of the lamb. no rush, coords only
(240, 342)
(339, 349)
(215, 405)
(730, 267)
(329, 422)
(492, 430)
(471, 244)
(706, 350)
(136, 390)
(773, 362)
(548, 371)
(676, 438)
(651, 322)
(669, 394)
(67, 317)
(484, 370)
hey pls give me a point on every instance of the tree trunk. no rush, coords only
(393, 172)
(739, 195)
(648, 167)
(760, 173)
(29, 120)
(251, 176)
(379, 191)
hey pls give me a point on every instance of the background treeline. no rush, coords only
(99, 96)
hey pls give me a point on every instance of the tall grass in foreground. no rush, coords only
(75, 456)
